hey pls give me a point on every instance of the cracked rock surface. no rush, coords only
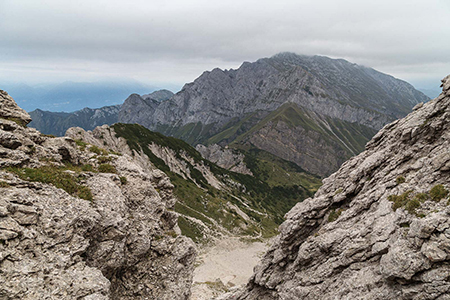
(356, 239)
(122, 244)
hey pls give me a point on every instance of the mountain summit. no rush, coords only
(312, 110)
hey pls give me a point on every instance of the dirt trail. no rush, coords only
(227, 263)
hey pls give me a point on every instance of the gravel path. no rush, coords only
(227, 263)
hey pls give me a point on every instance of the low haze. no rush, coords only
(169, 43)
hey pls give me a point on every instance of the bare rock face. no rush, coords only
(224, 157)
(120, 243)
(11, 111)
(379, 228)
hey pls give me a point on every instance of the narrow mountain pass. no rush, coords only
(224, 265)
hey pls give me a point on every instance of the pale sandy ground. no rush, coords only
(229, 260)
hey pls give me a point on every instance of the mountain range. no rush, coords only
(311, 110)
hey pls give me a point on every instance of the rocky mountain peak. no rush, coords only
(11, 111)
(378, 228)
(160, 95)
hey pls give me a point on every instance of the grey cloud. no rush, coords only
(174, 40)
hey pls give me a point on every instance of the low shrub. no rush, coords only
(123, 180)
(88, 168)
(104, 159)
(98, 150)
(334, 214)
(4, 184)
(400, 180)
(399, 200)
(438, 192)
(107, 168)
(81, 144)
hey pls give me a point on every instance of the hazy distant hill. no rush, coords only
(57, 123)
(71, 96)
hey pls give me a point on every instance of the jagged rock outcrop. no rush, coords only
(56, 123)
(224, 157)
(78, 222)
(378, 228)
(10, 111)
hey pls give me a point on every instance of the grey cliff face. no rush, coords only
(136, 108)
(226, 158)
(340, 106)
(122, 244)
(335, 88)
(378, 228)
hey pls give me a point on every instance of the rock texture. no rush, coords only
(56, 123)
(226, 158)
(10, 111)
(123, 244)
(379, 228)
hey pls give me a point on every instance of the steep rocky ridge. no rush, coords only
(215, 202)
(378, 228)
(56, 123)
(78, 222)
(332, 97)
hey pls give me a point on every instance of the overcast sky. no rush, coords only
(163, 41)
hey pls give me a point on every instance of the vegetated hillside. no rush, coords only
(378, 228)
(214, 201)
(56, 123)
(318, 102)
(81, 222)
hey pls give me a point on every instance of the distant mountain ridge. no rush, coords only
(312, 110)
(56, 123)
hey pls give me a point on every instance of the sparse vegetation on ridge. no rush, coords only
(56, 176)
(411, 202)
(266, 193)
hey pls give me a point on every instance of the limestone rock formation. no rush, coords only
(79, 222)
(311, 110)
(10, 111)
(226, 158)
(379, 228)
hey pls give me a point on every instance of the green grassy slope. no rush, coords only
(265, 197)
